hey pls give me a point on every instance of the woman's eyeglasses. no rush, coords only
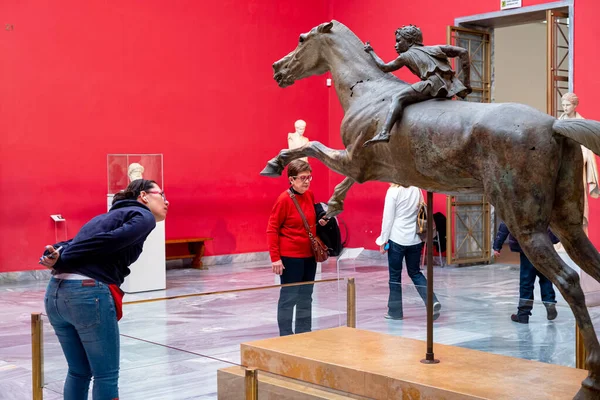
(303, 178)
(162, 194)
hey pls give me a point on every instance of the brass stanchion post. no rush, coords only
(36, 356)
(251, 379)
(351, 304)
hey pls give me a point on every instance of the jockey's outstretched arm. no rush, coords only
(465, 61)
(389, 67)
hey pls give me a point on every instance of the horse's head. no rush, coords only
(306, 59)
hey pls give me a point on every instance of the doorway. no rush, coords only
(521, 55)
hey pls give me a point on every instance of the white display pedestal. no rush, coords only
(149, 272)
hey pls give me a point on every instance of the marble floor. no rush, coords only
(172, 349)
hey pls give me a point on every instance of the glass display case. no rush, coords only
(123, 168)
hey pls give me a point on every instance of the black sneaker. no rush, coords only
(436, 310)
(551, 311)
(522, 319)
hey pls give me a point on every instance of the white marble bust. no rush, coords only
(297, 139)
(135, 171)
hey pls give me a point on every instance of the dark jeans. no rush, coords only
(85, 320)
(526, 282)
(296, 270)
(396, 254)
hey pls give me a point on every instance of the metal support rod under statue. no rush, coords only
(429, 356)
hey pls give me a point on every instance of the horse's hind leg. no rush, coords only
(567, 213)
(540, 251)
(527, 205)
(566, 223)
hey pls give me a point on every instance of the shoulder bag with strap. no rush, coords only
(422, 219)
(318, 247)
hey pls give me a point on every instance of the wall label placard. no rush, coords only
(506, 4)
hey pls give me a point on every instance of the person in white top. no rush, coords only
(399, 231)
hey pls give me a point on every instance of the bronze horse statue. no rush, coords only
(527, 163)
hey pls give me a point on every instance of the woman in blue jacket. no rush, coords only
(83, 299)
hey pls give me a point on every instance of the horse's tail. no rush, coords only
(583, 131)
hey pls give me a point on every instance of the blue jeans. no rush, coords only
(526, 282)
(296, 270)
(85, 320)
(396, 255)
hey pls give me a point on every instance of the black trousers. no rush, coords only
(300, 296)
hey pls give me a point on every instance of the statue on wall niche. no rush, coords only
(135, 171)
(297, 139)
(526, 163)
(431, 65)
(570, 101)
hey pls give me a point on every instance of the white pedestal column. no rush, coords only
(149, 271)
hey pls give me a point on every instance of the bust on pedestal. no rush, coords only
(148, 272)
(297, 139)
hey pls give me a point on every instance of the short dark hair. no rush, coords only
(134, 189)
(296, 167)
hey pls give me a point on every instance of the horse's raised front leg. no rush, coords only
(349, 162)
(336, 202)
(336, 160)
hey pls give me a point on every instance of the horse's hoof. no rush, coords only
(273, 169)
(586, 393)
(590, 387)
(334, 208)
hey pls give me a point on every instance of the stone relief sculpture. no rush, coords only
(527, 163)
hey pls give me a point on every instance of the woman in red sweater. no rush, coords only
(290, 249)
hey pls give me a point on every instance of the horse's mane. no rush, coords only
(353, 44)
(351, 40)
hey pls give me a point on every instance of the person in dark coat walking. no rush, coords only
(527, 278)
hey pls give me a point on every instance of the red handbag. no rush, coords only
(117, 295)
(320, 251)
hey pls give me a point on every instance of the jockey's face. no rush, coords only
(401, 44)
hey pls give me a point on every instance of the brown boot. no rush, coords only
(551, 311)
(522, 319)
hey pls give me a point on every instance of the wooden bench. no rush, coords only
(195, 250)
